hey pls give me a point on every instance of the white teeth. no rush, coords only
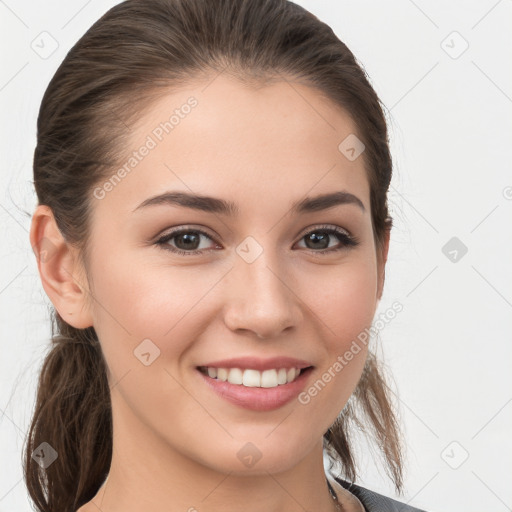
(235, 376)
(281, 376)
(269, 379)
(253, 378)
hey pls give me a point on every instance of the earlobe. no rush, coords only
(61, 273)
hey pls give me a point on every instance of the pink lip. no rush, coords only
(256, 363)
(258, 399)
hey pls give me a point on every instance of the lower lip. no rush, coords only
(258, 399)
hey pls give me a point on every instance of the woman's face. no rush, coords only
(253, 284)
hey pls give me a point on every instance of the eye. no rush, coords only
(320, 235)
(188, 240)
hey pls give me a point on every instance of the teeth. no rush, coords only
(235, 376)
(281, 376)
(269, 379)
(253, 378)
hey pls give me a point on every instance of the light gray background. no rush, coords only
(450, 349)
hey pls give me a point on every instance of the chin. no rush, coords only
(258, 457)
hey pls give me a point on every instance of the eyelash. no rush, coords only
(348, 241)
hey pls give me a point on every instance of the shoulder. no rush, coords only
(375, 502)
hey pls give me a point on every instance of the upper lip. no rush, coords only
(257, 363)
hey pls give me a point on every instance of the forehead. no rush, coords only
(253, 144)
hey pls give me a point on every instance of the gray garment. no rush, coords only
(374, 502)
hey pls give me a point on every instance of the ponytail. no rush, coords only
(370, 411)
(73, 416)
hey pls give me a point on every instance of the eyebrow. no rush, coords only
(221, 206)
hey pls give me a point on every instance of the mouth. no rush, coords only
(256, 390)
(252, 378)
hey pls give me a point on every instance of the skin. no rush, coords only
(175, 441)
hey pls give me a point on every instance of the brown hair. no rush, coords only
(139, 48)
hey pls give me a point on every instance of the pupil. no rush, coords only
(320, 238)
(187, 238)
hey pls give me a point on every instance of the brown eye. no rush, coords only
(319, 238)
(186, 242)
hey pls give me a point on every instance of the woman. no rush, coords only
(212, 231)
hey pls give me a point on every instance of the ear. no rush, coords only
(62, 275)
(382, 257)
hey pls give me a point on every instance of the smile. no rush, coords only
(256, 390)
(253, 378)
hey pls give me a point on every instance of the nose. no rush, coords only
(261, 299)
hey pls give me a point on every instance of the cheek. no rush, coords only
(345, 308)
(344, 299)
(134, 302)
(146, 320)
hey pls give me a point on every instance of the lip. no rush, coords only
(255, 398)
(257, 363)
